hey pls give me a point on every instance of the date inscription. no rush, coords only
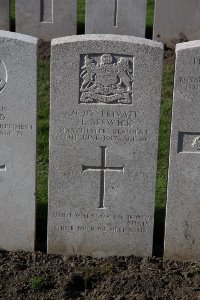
(104, 126)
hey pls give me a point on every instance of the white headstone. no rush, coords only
(46, 19)
(176, 20)
(4, 15)
(116, 17)
(105, 98)
(18, 94)
(182, 236)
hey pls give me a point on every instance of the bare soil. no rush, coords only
(44, 50)
(169, 50)
(40, 276)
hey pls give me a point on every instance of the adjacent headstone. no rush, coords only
(4, 15)
(182, 236)
(105, 98)
(18, 94)
(176, 21)
(116, 17)
(46, 19)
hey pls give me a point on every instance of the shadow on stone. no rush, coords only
(159, 230)
(149, 32)
(81, 28)
(41, 227)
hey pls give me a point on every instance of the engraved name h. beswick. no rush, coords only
(107, 79)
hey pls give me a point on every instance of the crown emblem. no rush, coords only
(106, 79)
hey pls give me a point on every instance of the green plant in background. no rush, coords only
(43, 129)
(163, 153)
(43, 150)
(149, 20)
(81, 16)
(164, 136)
(36, 283)
(12, 15)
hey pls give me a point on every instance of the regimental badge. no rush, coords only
(3, 75)
(106, 79)
(196, 143)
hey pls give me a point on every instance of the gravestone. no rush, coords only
(182, 236)
(46, 19)
(116, 17)
(105, 97)
(4, 15)
(18, 86)
(176, 21)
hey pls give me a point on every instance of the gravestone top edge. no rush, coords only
(187, 45)
(18, 36)
(106, 37)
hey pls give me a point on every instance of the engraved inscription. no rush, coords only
(131, 223)
(106, 78)
(103, 168)
(196, 143)
(100, 229)
(3, 75)
(116, 13)
(2, 168)
(12, 129)
(105, 125)
(196, 61)
(190, 83)
(46, 11)
(188, 142)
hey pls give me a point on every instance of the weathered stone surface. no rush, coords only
(46, 19)
(182, 236)
(116, 17)
(105, 97)
(4, 15)
(18, 94)
(176, 20)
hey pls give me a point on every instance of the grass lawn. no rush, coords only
(43, 131)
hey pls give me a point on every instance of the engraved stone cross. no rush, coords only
(103, 168)
(46, 11)
(116, 13)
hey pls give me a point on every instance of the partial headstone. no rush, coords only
(116, 17)
(176, 20)
(46, 19)
(4, 15)
(105, 98)
(182, 236)
(18, 94)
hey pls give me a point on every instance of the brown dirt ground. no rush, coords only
(38, 276)
(44, 49)
(169, 50)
